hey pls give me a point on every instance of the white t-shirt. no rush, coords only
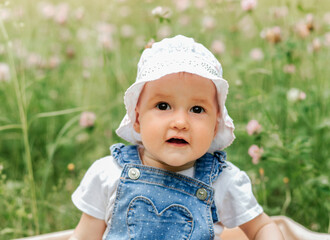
(233, 195)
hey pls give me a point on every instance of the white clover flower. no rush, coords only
(218, 47)
(4, 72)
(47, 10)
(256, 54)
(294, 95)
(248, 5)
(208, 22)
(162, 12)
(87, 119)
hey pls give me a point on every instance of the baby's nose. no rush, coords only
(180, 121)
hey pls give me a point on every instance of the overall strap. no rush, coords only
(208, 169)
(125, 154)
(209, 166)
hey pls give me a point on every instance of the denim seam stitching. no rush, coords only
(207, 201)
(177, 176)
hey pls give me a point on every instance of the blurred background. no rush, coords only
(65, 65)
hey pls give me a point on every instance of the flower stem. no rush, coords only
(24, 127)
(287, 201)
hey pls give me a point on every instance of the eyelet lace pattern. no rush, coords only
(172, 54)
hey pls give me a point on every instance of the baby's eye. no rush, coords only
(163, 106)
(197, 109)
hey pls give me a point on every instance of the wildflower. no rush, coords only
(70, 52)
(79, 13)
(255, 153)
(5, 14)
(326, 18)
(261, 172)
(247, 26)
(47, 10)
(272, 35)
(33, 59)
(280, 12)
(53, 62)
(289, 68)
(71, 167)
(208, 22)
(302, 95)
(106, 41)
(105, 28)
(127, 31)
(286, 180)
(327, 39)
(87, 119)
(86, 74)
(256, 54)
(315, 46)
(61, 14)
(253, 127)
(238, 83)
(124, 11)
(302, 30)
(248, 5)
(181, 5)
(161, 12)
(83, 34)
(310, 22)
(4, 72)
(105, 32)
(218, 47)
(294, 95)
(200, 4)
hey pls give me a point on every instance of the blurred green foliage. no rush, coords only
(61, 59)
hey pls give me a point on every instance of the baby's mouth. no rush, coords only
(177, 141)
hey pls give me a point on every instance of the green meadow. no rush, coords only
(65, 66)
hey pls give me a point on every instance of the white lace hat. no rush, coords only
(173, 55)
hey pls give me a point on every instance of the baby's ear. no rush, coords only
(136, 124)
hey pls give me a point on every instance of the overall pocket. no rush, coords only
(144, 221)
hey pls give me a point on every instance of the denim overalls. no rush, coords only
(152, 203)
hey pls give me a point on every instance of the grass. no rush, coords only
(59, 70)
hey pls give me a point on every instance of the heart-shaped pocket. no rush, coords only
(146, 222)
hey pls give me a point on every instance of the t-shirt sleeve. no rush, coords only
(238, 204)
(91, 195)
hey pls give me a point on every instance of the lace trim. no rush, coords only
(171, 64)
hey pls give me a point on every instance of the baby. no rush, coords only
(174, 182)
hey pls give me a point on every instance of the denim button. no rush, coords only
(201, 194)
(134, 173)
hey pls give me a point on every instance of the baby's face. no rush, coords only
(177, 119)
